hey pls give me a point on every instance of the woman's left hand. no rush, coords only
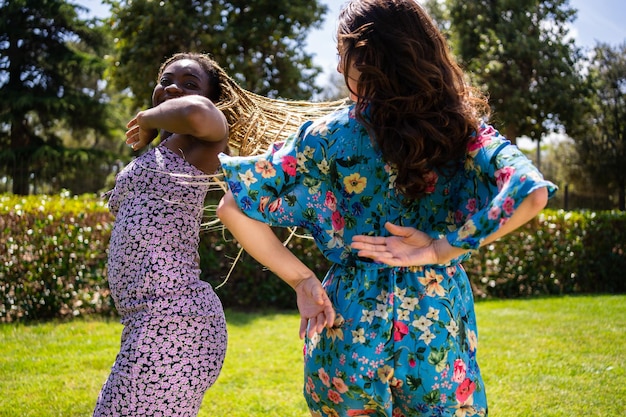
(137, 137)
(406, 247)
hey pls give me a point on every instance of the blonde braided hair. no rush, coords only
(255, 122)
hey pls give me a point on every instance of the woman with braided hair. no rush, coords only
(174, 339)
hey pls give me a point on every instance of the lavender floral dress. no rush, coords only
(405, 339)
(174, 338)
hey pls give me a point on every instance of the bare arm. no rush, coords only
(409, 246)
(262, 244)
(192, 115)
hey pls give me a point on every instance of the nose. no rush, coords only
(339, 63)
(173, 89)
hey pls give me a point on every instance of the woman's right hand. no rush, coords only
(316, 310)
(259, 240)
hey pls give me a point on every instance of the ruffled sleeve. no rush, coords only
(268, 187)
(499, 176)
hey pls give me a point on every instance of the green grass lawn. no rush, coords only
(543, 357)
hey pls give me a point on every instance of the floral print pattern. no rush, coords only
(405, 341)
(174, 339)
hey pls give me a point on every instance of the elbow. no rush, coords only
(205, 121)
(198, 119)
(226, 208)
(538, 199)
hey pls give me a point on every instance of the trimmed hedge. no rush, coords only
(556, 253)
(53, 256)
(53, 253)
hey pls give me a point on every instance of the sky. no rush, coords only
(597, 20)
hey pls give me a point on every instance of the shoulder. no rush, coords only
(486, 142)
(330, 123)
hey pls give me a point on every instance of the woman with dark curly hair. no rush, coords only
(396, 190)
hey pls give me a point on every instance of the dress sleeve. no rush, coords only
(500, 177)
(267, 187)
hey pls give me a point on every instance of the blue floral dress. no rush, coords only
(405, 339)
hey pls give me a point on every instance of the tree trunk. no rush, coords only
(538, 163)
(20, 176)
(19, 143)
(510, 132)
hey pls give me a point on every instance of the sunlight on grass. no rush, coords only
(554, 356)
(263, 373)
(550, 357)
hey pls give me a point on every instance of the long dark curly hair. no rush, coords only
(422, 111)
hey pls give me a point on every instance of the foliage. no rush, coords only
(520, 53)
(60, 108)
(558, 252)
(260, 43)
(50, 68)
(561, 163)
(251, 285)
(336, 88)
(601, 137)
(53, 260)
(528, 350)
(55, 266)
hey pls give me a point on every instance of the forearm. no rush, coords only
(259, 240)
(190, 115)
(527, 210)
(407, 246)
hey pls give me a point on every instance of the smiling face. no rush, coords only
(181, 78)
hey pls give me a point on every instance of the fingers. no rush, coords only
(310, 327)
(319, 322)
(132, 123)
(313, 327)
(319, 295)
(329, 313)
(369, 253)
(326, 318)
(316, 309)
(365, 239)
(132, 135)
(369, 247)
(303, 325)
(134, 144)
(401, 231)
(138, 137)
(381, 257)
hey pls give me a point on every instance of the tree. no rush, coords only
(49, 73)
(335, 89)
(600, 139)
(519, 51)
(260, 43)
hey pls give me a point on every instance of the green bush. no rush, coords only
(250, 285)
(53, 260)
(53, 252)
(558, 252)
